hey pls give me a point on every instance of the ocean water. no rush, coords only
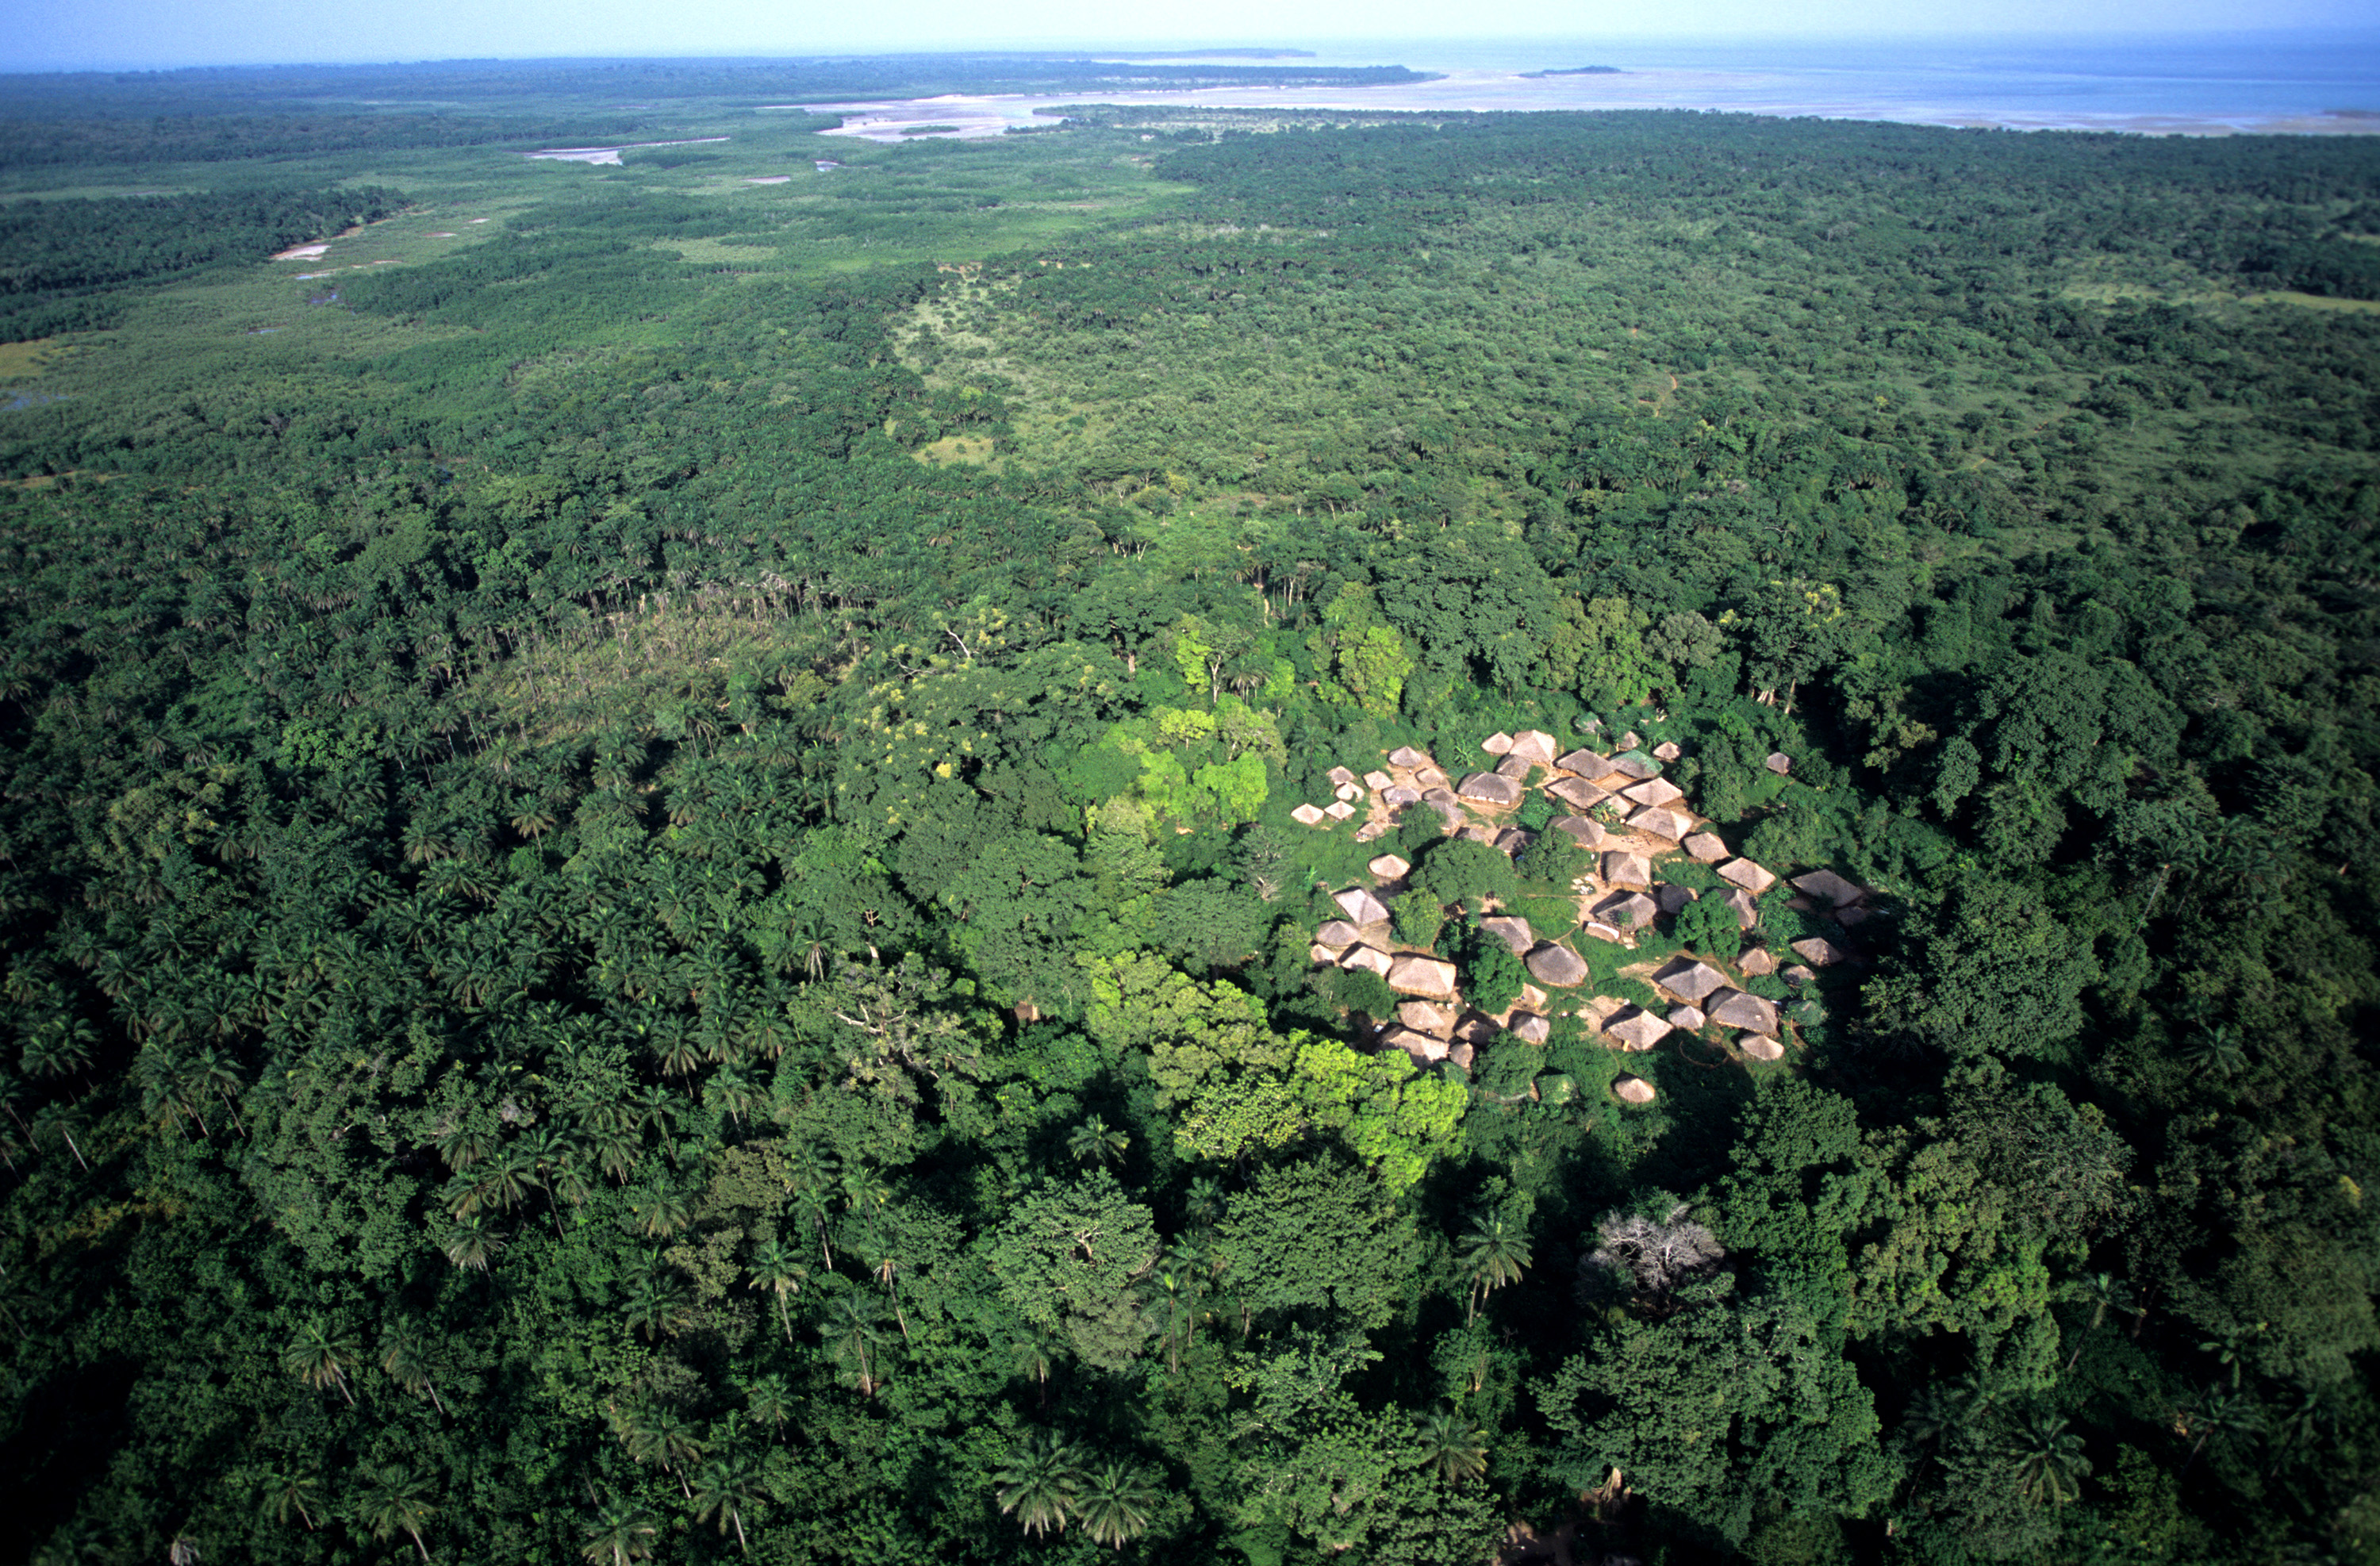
(2301, 82)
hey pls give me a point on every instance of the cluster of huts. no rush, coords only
(1646, 818)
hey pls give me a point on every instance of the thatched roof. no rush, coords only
(1431, 777)
(1413, 975)
(1406, 755)
(1497, 743)
(1660, 790)
(1747, 912)
(1632, 1090)
(1513, 930)
(1338, 932)
(1531, 1028)
(1779, 762)
(1477, 834)
(1371, 959)
(1602, 931)
(1735, 1008)
(1371, 829)
(1798, 976)
(1673, 898)
(1339, 810)
(1533, 745)
(1516, 768)
(1585, 763)
(1443, 801)
(1476, 1027)
(1576, 792)
(1754, 963)
(1399, 797)
(1689, 980)
(1512, 840)
(1628, 910)
(1585, 832)
(1308, 816)
(1666, 751)
(1350, 791)
(1388, 867)
(1636, 764)
(1423, 1016)
(1558, 967)
(1687, 1018)
(1819, 952)
(1422, 1046)
(1747, 875)
(1661, 823)
(1322, 956)
(1638, 1029)
(1627, 869)
(1340, 776)
(1830, 887)
(1628, 741)
(1376, 781)
(1358, 904)
(1706, 847)
(1463, 1055)
(1760, 1047)
(1490, 789)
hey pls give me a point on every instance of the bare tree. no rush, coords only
(1649, 1257)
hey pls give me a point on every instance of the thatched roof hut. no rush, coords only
(1632, 1090)
(1576, 792)
(1666, 751)
(1660, 790)
(1390, 866)
(1779, 762)
(1423, 1016)
(1339, 810)
(1757, 962)
(1638, 1029)
(1358, 904)
(1487, 788)
(1628, 910)
(1308, 816)
(1338, 932)
(1635, 765)
(1516, 768)
(1556, 966)
(1690, 981)
(1747, 912)
(1535, 747)
(1602, 931)
(1513, 930)
(1736, 1007)
(1370, 959)
(1688, 1019)
(1673, 897)
(1706, 847)
(1397, 796)
(1829, 887)
(1414, 975)
(1582, 831)
(1622, 869)
(1747, 875)
(1406, 755)
(1819, 952)
(1531, 1028)
(1760, 1047)
(1497, 743)
(1661, 823)
(1426, 1049)
(1340, 776)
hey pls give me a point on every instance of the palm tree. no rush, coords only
(727, 1488)
(621, 1533)
(1174, 1294)
(319, 1356)
(852, 1331)
(287, 1491)
(2229, 1348)
(769, 1402)
(657, 1303)
(1493, 1254)
(659, 1214)
(1452, 1445)
(2045, 1458)
(1034, 1351)
(472, 1243)
(463, 1146)
(2216, 1049)
(774, 1269)
(396, 1502)
(1040, 1482)
(1093, 1143)
(2103, 1293)
(1115, 1503)
(406, 1362)
(2230, 1414)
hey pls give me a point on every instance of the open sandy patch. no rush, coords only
(302, 252)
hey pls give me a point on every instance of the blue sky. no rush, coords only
(66, 34)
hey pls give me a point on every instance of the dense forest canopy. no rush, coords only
(670, 892)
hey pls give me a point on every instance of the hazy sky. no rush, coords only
(68, 35)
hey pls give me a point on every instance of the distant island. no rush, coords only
(1210, 54)
(1573, 71)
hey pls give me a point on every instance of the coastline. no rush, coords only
(1775, 94)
